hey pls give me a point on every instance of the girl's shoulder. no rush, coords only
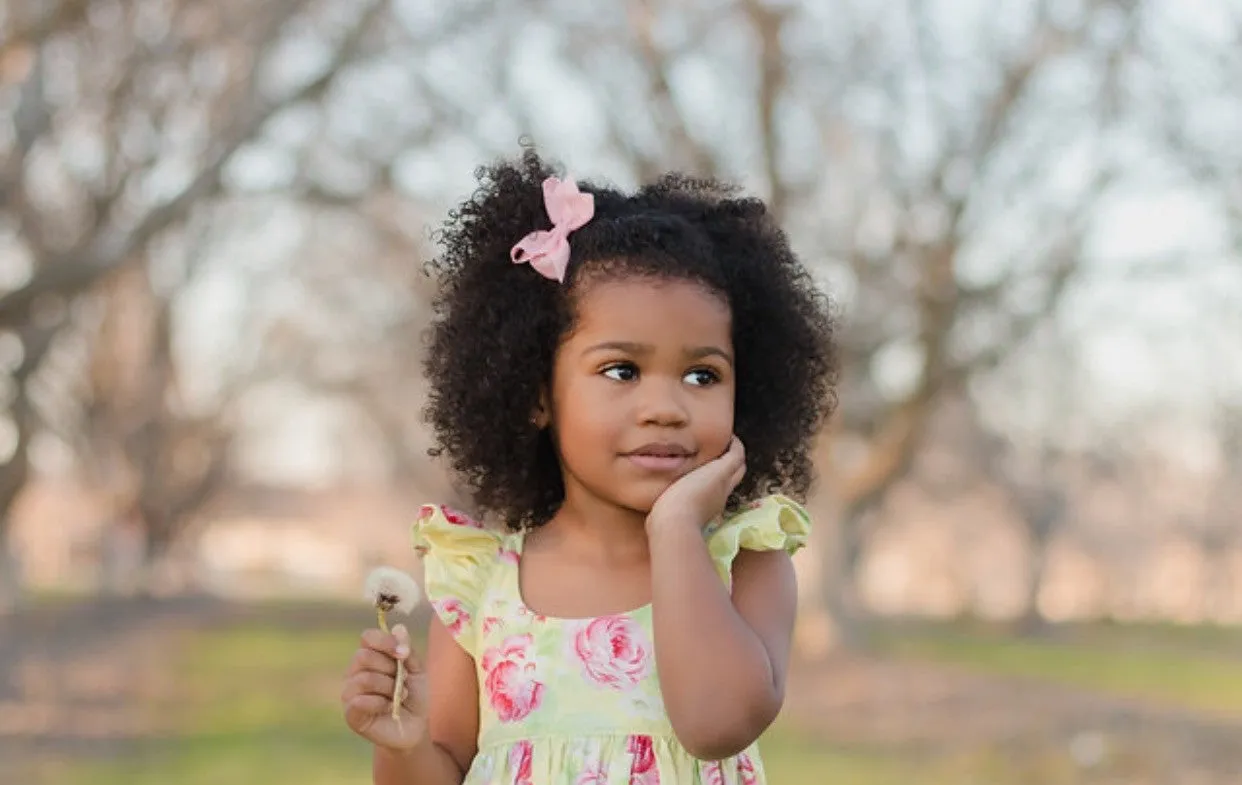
(441, 529)
(460, 556)
(773, 523)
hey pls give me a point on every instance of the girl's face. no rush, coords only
(642, 390)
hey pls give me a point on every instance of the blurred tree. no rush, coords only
(1218, 527)
(942, 169)
(1201, 119)
(156, 457)
(124, 116)
(1198, 64)
(353, 331)
(965, 457)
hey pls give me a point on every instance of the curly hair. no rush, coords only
(497, 326)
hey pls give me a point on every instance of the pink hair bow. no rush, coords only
(548, 251)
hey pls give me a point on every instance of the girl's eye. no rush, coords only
(621, 372)
(702, 377)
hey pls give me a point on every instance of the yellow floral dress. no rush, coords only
(574, 701)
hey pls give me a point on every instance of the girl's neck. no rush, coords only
(593, 526)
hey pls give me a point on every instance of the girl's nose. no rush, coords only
(662, 403)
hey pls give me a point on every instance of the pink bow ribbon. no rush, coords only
(548, 251)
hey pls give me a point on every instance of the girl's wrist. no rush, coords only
(662, 524)
(405, 753)
(397, 753)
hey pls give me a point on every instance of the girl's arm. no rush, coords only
(722, 660)
(452, 703)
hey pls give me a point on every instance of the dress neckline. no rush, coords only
(513, 576)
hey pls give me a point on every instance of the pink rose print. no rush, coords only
(510, 682)
(459, 518)
(593, 774)
(453, 614)
(712, 773)
(520, 761)
(746, 770)
(509, 557)
(643, 769)
(614, 652)
(491, 623)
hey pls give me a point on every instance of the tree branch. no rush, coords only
(66, 275)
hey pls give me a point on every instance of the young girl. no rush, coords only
(597, 363)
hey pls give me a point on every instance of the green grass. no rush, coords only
(260, 707)
(1113, 662)
(1194, 639)
(793, 758)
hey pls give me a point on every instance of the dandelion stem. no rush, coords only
(396, 690)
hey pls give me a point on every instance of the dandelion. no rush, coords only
(390, 589)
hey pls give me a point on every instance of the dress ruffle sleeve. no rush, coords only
(769, 524)
(458, 556)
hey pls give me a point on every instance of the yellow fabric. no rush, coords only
(459, 556)
(574, 701)
(770, 524)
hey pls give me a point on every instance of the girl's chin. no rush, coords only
(643, 498)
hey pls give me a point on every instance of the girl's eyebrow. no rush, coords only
(631, 347)
(700, 352)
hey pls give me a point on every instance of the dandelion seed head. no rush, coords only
(388, 588)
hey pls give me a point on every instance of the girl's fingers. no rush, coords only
(738, 450)
(369, 683)
(375, 694)
(733, 455)
(738, 474)
(402, 639)
(372, 683)
(378, 640)
(371, 660)
(370, 705)
(395, 645)
(734, 461)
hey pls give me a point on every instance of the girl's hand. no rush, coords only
(699, 496)
(366, 697)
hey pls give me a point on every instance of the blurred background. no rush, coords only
(1027, 564)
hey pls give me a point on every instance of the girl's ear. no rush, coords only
(541, 417)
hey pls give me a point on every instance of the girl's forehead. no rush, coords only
(653, 308)
(605, 296)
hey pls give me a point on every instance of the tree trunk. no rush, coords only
(15, 473)
(122, 556)
(1043, 509)
(166, 570)
(1033, 624)
(10, 572)
(835, 617)
(13, 477)
(844, 596)
(1218, 589)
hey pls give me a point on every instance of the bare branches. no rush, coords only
(238, 117)
(27, 30)
(949, 175)
(668, 113)
(768, 23)
(124, 123)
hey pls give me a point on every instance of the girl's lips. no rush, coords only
(653, 462)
